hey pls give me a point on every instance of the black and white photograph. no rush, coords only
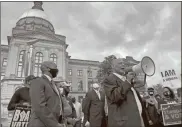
(90, 64)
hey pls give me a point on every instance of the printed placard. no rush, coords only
(21, 117)
(171, 114)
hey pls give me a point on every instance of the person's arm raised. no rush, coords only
(114, 91)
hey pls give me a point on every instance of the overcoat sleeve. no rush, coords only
(114, 90)
(14, 100)
(87, 103)
(37, 89)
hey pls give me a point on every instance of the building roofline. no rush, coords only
(84, 60)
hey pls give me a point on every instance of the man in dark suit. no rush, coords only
(93, 110)
(125, 107)
(47, 107)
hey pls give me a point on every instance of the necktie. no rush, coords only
(98, 94)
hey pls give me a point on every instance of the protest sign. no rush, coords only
(21, 117)
(169, 75)
(171, 114)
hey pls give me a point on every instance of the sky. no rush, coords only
(95, 30)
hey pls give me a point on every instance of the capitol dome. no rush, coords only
(35, 19)
(34, 13)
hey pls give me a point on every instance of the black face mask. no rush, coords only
(73, 100)
(166, 94)
(54, 72)
(151, 93)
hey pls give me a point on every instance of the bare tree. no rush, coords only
(105, 67)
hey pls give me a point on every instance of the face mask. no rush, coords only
(66, 90)
(73, 100)
(151, 93)
(53, 72)
(166, 94)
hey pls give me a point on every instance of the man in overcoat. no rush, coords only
(47, 106)
(125, 106)
(94, 103)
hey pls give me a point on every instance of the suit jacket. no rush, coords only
(122, 106)
(46, 104)
(94, 108)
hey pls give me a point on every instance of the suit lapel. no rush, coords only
(93, 91)
(50, 84)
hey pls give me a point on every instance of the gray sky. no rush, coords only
(95, 30)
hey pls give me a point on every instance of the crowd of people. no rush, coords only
(114, 102)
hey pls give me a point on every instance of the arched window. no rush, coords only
(20, 71)
(38, 61)
(53, 57)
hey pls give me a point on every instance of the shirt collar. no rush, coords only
(97, 91)
(123, 78)
(48, 77)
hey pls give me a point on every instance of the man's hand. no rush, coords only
(128, 69)
(61, 125)
(77, 119)
(87, 124)
(150, 122)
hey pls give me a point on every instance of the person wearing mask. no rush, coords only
(152, 108)
(78, 109)
(125, 106)
(94, 103)
(21, 96)
(169, 96)
(47, 106)
(66, 91)
(67, 107)
(152, 99)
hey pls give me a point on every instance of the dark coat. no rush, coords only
(20, 96)
(46, 103)
(122, 106)
(94, 108)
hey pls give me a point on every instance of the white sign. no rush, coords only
(169, 75)
(170, 78)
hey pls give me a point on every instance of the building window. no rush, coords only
(2, 75)
(38, 61)
(80, 85)
(70, 72)
(90, 82)
(4, 62)
(21, 64)
(79, 73)
(89, 73)
(53, 57)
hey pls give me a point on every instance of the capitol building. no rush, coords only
(34, 34)
(33, 41)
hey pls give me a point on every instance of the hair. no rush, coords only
(150, 88)
(29, 78)
(172, 95)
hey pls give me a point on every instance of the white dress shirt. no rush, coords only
(136, 97)
(98, 94)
